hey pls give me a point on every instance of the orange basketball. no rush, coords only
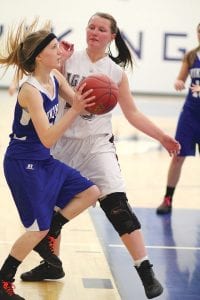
(105, 90)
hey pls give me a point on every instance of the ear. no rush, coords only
(38, 58)
(113, 36)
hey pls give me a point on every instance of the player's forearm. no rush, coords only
(144, 124)
(57, 130)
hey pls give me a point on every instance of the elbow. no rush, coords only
(47, 144)
(47, 139)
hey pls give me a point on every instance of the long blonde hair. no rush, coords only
(19, 45)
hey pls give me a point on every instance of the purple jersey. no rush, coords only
(193, 99)
(24, 141)
(37, 181)
(188, 127)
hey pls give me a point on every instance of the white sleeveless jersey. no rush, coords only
(77, 67)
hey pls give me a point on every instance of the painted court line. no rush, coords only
(159, 247)
(96, 246)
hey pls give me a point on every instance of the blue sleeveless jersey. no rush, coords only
(24, 141)
(193, 99)
(188, 127)
(37, 181)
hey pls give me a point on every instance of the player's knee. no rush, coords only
(92, 195)
(38, 235)
(119, 213)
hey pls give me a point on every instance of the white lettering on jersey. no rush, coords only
(30, 167)
(52, 113)
(196, 94)
(195, 73)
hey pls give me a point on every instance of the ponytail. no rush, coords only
(124, 57)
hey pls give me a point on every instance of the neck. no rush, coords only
(94, 55)
(43, 78)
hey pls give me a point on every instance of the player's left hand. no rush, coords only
(67, 49)
(195, 88)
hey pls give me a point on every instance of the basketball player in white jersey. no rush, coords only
(88, 145)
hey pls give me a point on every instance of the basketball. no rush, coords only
(105, 90)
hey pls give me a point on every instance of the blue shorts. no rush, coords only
(38, 186)
(188, 131)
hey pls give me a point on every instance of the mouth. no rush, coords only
(93, 40)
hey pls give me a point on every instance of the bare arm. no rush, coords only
(14, 85)
(31, 99)
(140, 121)
(65, 90)
(67, 51)
(179, 84)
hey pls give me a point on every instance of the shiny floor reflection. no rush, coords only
(173, 244)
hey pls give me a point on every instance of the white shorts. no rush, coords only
(95, 157)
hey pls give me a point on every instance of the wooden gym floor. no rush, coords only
(97, 265)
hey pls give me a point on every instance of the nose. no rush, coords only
(95, 30)
(59, 50)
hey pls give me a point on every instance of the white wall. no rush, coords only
(150, 19)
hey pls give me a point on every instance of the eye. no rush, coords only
(102, 30)
(56, 46)
(91, 27)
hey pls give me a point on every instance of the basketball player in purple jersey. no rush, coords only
(37, 181)
(188, 127)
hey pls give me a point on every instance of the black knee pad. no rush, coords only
(119, 213)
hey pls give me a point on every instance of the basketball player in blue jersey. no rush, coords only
(37, 181)
(91, 138)
(188, 127)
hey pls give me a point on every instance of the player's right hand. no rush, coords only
(179, 85)
(82, 99)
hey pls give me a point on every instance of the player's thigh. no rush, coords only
(104, 170)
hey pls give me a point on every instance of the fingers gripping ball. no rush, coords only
(105, 90)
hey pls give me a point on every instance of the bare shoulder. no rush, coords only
(124, 81)
(27, 93)
(27, 89)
